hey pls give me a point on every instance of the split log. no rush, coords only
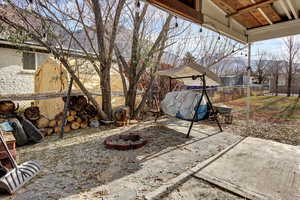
(8, 107)
(52, 123)
(57, 129)
(70, 118)
(59, 123)
(72, 113)
(78, 119)
(67, 128)
(131, 122)
(75, 125)
(42, 122)
(77, 107)
(91, 110)
(122, 114)
(82, 101)
(32, 113)
(49, 131)
(83, 124)
(59, 116)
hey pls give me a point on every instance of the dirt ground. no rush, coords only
(80, 167)
(196, 189)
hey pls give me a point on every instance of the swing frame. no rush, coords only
(212, 111)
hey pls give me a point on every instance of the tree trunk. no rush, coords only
(106, 91)
(146, 96)
(289, 84)
(131, 97)
(82, 88)
(276, 85)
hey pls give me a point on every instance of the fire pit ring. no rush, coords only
(125, 141)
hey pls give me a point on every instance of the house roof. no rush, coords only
(242, 20)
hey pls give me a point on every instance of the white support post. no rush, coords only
(249, 84)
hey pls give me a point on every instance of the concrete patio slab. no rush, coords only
(257, 169)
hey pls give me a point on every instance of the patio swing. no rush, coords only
(194, 106)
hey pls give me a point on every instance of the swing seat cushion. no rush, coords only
(183, 105)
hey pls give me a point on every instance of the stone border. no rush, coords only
(109, 142)
(175, 182)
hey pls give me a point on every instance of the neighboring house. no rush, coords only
(18, 68)
(282, 84)
(237, 80)
(232, 80)
(19, 62)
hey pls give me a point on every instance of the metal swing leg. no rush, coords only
(194, 117)
(204, 92)
(214, 112)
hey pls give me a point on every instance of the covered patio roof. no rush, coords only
(242, 20)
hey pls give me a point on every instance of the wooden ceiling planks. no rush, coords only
(251, 19)
(255, 13)
(230, 7)
(271, 13)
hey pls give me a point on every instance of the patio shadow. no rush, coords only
(80, 162)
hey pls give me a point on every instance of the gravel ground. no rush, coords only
(287, 134)
(80, 167)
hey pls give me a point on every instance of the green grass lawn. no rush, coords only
(272, 108)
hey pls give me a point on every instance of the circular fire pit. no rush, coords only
(125, 142)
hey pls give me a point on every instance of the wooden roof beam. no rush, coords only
(263, 13)
(285, 8)
(252, 7)
(179, 8)
(282, 29)
(294, 11)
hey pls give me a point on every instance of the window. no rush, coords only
(32, 60)
(29, 62)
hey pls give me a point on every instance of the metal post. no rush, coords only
(249, 84)
(66, 108)
(196, 111)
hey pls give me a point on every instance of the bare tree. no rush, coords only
(275, 69)
(291, 52)
(89, 27)
(146, 53)
(261, 67)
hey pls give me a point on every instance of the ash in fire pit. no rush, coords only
(125, 142)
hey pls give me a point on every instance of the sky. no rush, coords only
(273, 46)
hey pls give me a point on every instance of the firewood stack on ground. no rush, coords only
(122, 116)
(80, 115)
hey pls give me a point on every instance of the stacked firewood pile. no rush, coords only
(80, 115)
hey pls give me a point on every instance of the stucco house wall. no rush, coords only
(13, 78)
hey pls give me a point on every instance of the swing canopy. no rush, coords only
(191, 69)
